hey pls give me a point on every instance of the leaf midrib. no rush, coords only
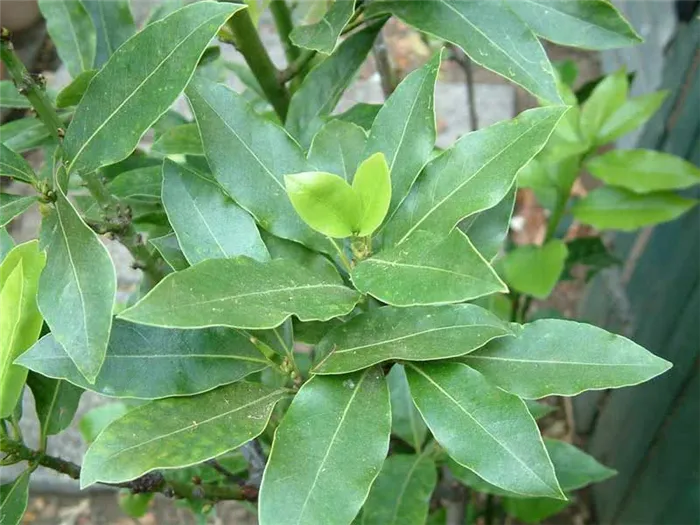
(550, 362)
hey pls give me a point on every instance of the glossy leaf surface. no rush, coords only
(323, 35)
(535, 270)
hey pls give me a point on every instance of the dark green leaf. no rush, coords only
(14, 165)
(483, 428)
(178, 432)
(310, 476)
(179, 140)
(372, 184)
(539, 410)
(567, 71)
(302, 256)
(169, 249)
(134, 505)
(6, 244)
(56, 402)
(632, 114)
(487, 230)
(114, 26)
(10, 97)
(535, 270)
(411, 334)
(361, 114)
(533, 510)
(242, 293)
(140, 184)
(406, 421)
(427, 269)
(558, 357)
(575, 469)
(323, 35)
(13, 205)
(72, 94)
(107, 130)
(13, 499)
(591, 252)
(150, 363)
(338, 148)
(24, 134)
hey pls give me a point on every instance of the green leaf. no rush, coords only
(24, 134)
(644, 170)
(323, 35)
(310, 477)
(592, 24)
(107, 130)
(326, 202)
(533, 510)
(169, 248)
(489, 32)
(487, 230)
(20, 323)
(466, 415)
(77, 288)
(539, 410)
(134, 505)
(179, 140)
(472, 176)
(208, 224)
(588, 251)
(72, 32)
(605, 100)
(406, 421)
(632, 114)
(264, 153)
(13, 205)
(411, 334)
(149, 363)
(242, 293)
(56, 402)
(609, 208)
(361, 114)
(372, 184)
(6, 243)
(288, 250)
(324, 85)
(338, 148)
(401, 493)
(72, 94)
(178, 432)
(427, 269)
(404, 129)
(140, 184)
(565, 358)
(575, 469)
(114, 25)
(98, 418)
(13, 499)
(535, 270)
(14, 165)
(10, 97)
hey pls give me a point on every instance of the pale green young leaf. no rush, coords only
(72, 32)
(607, 97)
(428, 269)
(592, 24)
(489, 32)
(207, 223)
(472, 176)
(169, 249)
(323, 35)
(483, 428)
(264, 154)
(14, 165)
(242, 293)
(535, 270)
(13, 499)
(644, 170)
(628, 117)
(487, 230)
(178, 432)
(72, 94)
(77, 287)
(107, 130)
(406, 421)
(56, 402)
(609, 208)
(179, 140)
(114, 25)
(10, 97)
(324, 85)
(404, 129)
(13, 205)
(411, 334)
(372, 184)
(149, 363)
(565, 358)
(140, 184)
(338, 148)
(310, 476)
(98, 418)
(401, 494)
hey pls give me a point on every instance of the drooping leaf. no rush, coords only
(410, 334)
(406, 421)
(487, 230)
(401, 493)
(372, 184)
(559, 357)
(13, 499)
(207, 223)
(72, 32)
(56, 402)
(178, 432)
(361, 114)
(14, 165)
(13, 205)
(98, 418)
(72, 94)
(472, 176)
(264, 153)
(621, 209)
(535, 270)
(140, 184)
(605, 99)
(179, 140)
(427, 269)
(644, 170)
(338, 148)
(632, 114)
(592, 24)
(404, 129)
(489, 32)
(169, 249)
(324, 85)
(150, 363)
(114, 25)
(242, 293)
(309, 478)
(10, 97)
(323, 35)
(77, 287)
(107, 130)
(483, 428)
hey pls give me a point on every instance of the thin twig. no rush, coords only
(296, 67)
(465, 64)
